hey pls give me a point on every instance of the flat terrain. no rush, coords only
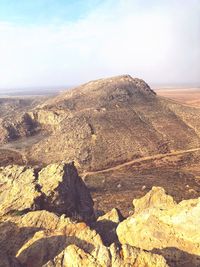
(188, 96)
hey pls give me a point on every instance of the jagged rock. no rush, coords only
(41, 238)
(130, 256)
(56, 188)
(65, 192)
(48, 117)
(114, 216)
(107, 257)
(37, 237)
(17, 189)
(156, 199)
(106, 226)
(45, 245)
(42, 219)
(159, 223)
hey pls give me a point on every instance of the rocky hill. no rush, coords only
(47, 220)
(104, 123)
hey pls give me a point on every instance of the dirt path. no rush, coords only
(154, 157)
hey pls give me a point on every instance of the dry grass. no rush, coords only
(178, 174)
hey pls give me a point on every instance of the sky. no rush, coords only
(68, 42)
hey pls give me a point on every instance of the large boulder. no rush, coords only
(65, 192)
(56, 188)
(156, 199)
(161, 225)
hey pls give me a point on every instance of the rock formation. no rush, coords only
(47, 220)
(104, 257)
(159, 224)
(36, 232)
(41, 238)
(56, 188)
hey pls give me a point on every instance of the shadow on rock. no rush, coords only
(178, 258)
(106, 226)
(45, 249)
(12, 239)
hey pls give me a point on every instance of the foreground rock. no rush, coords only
(36, 229)
(56, 188)
(42, 238)
(107, 257)
(161, 225)
(34, 238)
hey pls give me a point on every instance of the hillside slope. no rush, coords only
(110, 121)
(100, 124)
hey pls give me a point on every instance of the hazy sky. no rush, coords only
(66, 42)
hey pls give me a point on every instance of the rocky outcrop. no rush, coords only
(159, 224)
(47, 220)
(45, 244)
(65, 192)
(20, 126)
(42, 238)
(154, 200)
(34, 238)
(17, 190)
(56, 188)
(107, 257)
(48, 117)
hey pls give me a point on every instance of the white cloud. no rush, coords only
(158, 43)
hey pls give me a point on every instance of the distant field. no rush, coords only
(189, 96)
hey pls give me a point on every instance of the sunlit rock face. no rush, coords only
(160, 224)
(56, 188)
(47, 219)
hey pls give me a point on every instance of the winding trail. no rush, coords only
(154, 157)
(119, 166)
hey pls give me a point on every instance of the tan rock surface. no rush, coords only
(17, 189)
(163, 224)
(45, 245)
(156, 199)
(56, 188)
(74, 256)
(32, 236)
(39, 236)
(65, 192)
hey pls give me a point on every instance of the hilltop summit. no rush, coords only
(98, 93)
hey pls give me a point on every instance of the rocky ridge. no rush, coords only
(47, 220)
